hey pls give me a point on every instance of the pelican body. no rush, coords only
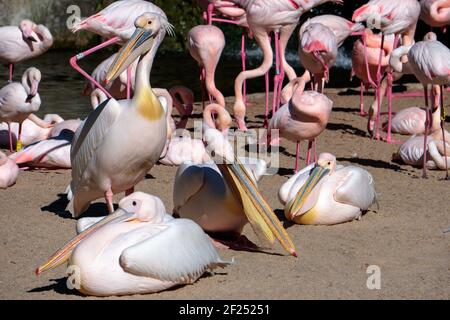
(326, 193)
(138, 249)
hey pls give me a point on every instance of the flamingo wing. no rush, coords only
(90, 134)
(180, 252)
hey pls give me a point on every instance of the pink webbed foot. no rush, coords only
(241, 125)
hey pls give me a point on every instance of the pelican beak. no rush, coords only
(297, 203)
(140, 42)
(261, 217)
(63, 254)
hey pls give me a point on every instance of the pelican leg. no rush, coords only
(109, 200)
(10, 138)
(19, 141)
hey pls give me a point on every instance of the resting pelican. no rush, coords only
(120, 141)
(223, 196)
(327, 193)
(137, 249)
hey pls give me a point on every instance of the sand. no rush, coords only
(404, 237)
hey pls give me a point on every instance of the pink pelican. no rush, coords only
(116, 23)
(391, 17)
(120, 141)
(24, 42)
(9, 171)
(325, 193)
(435, 13)
(222, 196)
(430, 63)
(137, 249)
(206, 43)
(304, 117)
(19, 100)
(186, 149)
(437, 153)
(263, 17)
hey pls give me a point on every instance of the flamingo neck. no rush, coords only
(25, 79)
(145, 100)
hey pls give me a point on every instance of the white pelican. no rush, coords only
(137, 249)
(327, 193)
(120, 141)
(223, 196)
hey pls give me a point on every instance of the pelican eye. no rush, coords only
(149, 22)
(134, 203)
(329, 163)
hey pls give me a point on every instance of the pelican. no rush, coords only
(138, 249)
(222, 196)
(326, 193)
(120, 141)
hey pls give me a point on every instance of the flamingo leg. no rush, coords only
(109, 200)
(297, 156)
(19, 141)
(266, 115)
(425, 136)
(378, 92)
(78, 57)
(276, 78)
(443, 115)
(389, 96)
(10, 138)
(202, 86)
(11, 72)
(244, 67)
(361, 100)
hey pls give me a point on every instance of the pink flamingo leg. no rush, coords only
(362, 113)
(277, 72)
(129, 83)
(109, 200)
(19, 141)
(10, 138)
(390, 81)
(308, 154)
(425, 136)
(202, 86)
(243, 58)
(297, 156)
(11, 72)
(266, 115)
(75, 59)
(378, 92)
(443, 130)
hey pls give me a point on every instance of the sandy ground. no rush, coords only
(404, 237)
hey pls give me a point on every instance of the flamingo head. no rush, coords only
(27, 27)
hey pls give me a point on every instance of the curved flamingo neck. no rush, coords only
(223, 121)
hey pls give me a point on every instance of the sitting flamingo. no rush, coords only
(24, 42)
(8, 171)
(304, 117)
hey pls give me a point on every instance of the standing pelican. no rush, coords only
(222, 196)
(206, 43)
(327, 193)
(24, 42)
(19, 100)
(138, 249)
(9, 171)
(120, 141)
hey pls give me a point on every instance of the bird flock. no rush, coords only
(139, 247)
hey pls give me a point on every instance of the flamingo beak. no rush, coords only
(34, 88)
(261, 217)
(297, 203)
(28, 34)
(63, 254)
(140, 42)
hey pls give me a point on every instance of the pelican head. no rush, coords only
(27, 28)
(326, 165)
(137, 207)
(149, 27)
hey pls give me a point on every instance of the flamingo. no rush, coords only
(115, 23)
(430, 63)
(120, 141)
(31, 132)
(325, 193)
(206, 43)
(435, 13)
(437, 153)
(19, 100)
(138, 249)
(9, 171)
(391, 17)
(183, 101)
(263, 17)
(24, 42)
(304, 117)
(182, 149)
(222, 196)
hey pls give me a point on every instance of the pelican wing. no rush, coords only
(90, 135)
(181, 252)
(356, 188)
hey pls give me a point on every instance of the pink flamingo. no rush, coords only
(19, 100)
(365, 63)
(264, 17)
(9, 171)
(116, 23)
(24, 42)
(430, 63)
(206, 43)
(435, 13)
(180, 149)
(391, 17)
(304, 117)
